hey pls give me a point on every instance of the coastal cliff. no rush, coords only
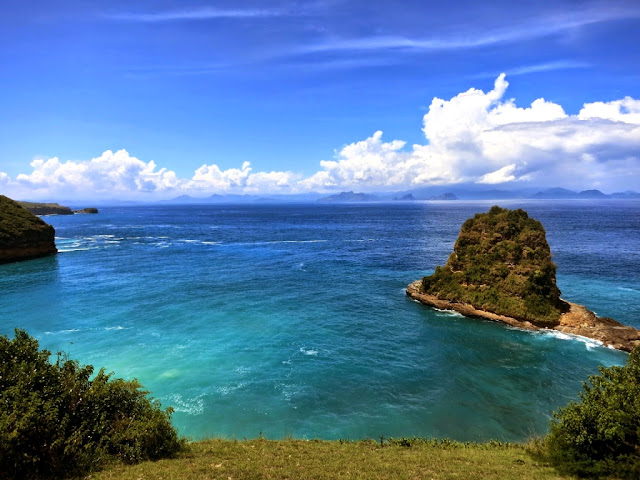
(46, 208)
(501, 270)
(22, 234)
(53, 208)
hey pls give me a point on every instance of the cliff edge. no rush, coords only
(501, 270)
(22, 234)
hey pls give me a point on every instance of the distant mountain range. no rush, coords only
(349, 197)
(445, 193)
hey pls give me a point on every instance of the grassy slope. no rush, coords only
(292, 459)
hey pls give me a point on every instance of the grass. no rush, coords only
(300, 459)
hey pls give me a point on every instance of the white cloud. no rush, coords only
(475, 136)
(110, 174)
(119, 175)
(502, 175)
(362, 164)
(210, 178)
(626, 110)
(481, 137)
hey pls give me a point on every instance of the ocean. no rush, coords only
(292, 320)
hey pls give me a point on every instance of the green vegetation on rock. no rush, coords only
(600, 435)
(38, 208)
(501, 263)
(22, 234)
(58, 420)
(16, 223)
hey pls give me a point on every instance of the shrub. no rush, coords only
(600, 435)
(58, 421)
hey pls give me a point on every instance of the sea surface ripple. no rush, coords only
(291, 320)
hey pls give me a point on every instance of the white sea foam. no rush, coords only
(242, 370)
(309, 351)
(115, 328)
(589, 343)
(449, 313)
(191, 406)
(65, 250)
(227, 389)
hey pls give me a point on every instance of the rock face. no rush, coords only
(86, 210)
(501, 270)
(22, 234)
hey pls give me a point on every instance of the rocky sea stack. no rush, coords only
(22, 234)
(501, 270)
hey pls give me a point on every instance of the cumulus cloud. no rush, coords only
(209, 178)
(626, 110)
(120, 175)
(475, 136)
(110, 173)
(484, 138)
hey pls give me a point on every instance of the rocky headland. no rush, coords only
(22, 234)
(53, 209)
(46, 208)
(501, 270)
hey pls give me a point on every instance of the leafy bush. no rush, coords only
(501, 262)
(600, 435)
(57, 421)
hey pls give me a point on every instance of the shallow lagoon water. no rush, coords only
(292, 319)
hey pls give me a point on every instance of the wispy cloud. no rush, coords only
(148, 71)
(546, 67)
(204, 13)
(535, 68)
(344, 64)
(540, 27)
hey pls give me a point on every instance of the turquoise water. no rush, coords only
(292, 319)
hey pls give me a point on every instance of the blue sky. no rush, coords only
(156, 99)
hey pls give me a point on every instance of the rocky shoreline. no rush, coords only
(577, 321)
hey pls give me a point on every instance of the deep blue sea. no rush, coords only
(291, 320)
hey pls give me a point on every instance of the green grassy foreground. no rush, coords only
(294, 459)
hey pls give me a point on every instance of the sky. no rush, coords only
(151, 100)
